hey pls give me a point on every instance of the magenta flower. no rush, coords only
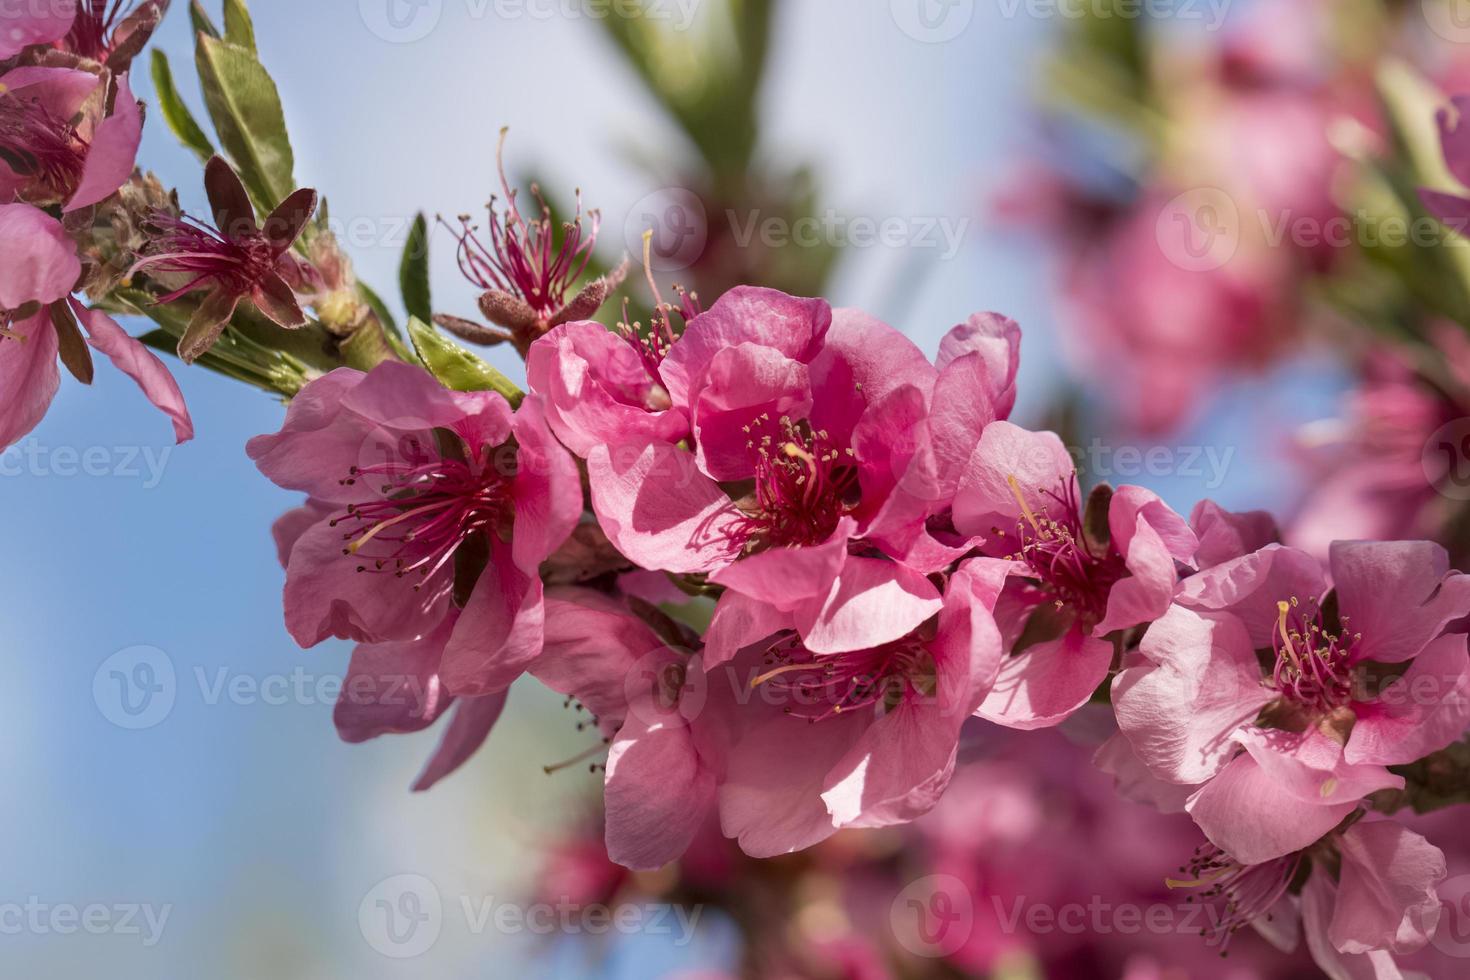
(60, 144)
(425, 501)
(40, 323)
(813, 742)
(1358, 680)
(1070, 586)
(237, 261)
(822, 444)
(1359, 896)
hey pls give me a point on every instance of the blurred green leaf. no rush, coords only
(175, 113)
(201, 21)
(413, 272)
(456, 368)
(239, 29)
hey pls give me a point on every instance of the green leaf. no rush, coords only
(413, 272)
(246, 109)
(175, 113)
(199, 17)
(456, 368)
(239, 29)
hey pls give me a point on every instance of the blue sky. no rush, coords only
(246, 818)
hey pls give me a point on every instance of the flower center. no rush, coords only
(426, 505)
(803, 486)
(1055, 549)
(39, 146)
(523, 257)
(186, 246)
(817, 687)
(1243, 892)
(1313, 666)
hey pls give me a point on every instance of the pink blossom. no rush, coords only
(813, 742)
(842, 439)
(40, 322)
(1285, 754)
(1359, 896)
(1070, 586)
(68, 136)
(427, 502)
(1159, 330)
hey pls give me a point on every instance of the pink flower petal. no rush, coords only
(872, 602)
(393, 688)
(745, 386)
(996, 341)
(738, 622)
(1198, 681)
(1399, 595)
(113, 153)
(35, 23)
(658, 792)
(746, 314)
(787, 578)
(1386, 898)
(1041, 686)
(1418, 713)
(326, 595)
(500, 632)
(1225, 536)
(1250, 588)
(28, 377)
(469, 726)
(547, 490)
(1038, 464)
(134, 359)
(597, 390)
(38, 262)
(1244, 813)
(658, 508)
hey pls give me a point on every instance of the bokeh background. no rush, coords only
(230, 801)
